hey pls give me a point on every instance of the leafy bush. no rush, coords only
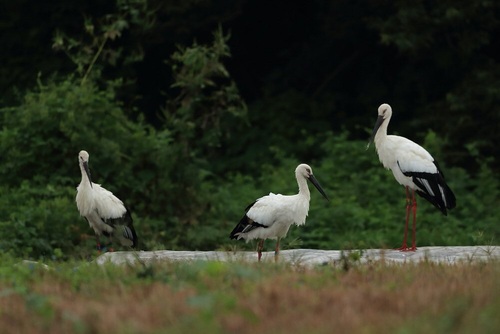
(188, 180)
(37, 221)
(40, 141)
(158, 173)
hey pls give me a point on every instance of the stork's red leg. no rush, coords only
(110, 245)
(277, 250)
(260, 246)
(414, 206)
(411, 207)
(404, 246)
(98, 244)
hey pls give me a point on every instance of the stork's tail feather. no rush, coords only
(123, 230)
(240, 227)
(130, 234)
(449, 197)
(129, 230)
(244, 226)
(435, 190)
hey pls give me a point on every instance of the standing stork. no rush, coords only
(270, 217)
(104, 211)
(414, 168)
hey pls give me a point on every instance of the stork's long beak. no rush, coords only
(87, 171)
(378, 123)
(316, 184)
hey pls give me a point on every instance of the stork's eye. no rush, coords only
(308, 171)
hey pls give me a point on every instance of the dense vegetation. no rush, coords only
(191, 132)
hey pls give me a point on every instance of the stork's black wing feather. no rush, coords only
(124, 225)
(434, 189)
(245, 225)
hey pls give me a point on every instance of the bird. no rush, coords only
(270, 217)
(414, 168)
(105, 213)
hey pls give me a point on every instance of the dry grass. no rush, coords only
(214, 297)
(374, 301)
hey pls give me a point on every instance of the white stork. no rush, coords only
(414, 168)
(270, 217)
(105, 213)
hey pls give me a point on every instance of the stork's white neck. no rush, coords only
(303, 188)
(85, 179)
(381, 134)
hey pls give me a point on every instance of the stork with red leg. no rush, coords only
(271, 216)
(414, 168)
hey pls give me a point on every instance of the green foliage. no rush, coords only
(158, 173)
(53, 122)
(85, 51)
(38, 221)
(199, 121)
(40, 140)
(435, 62)
(208, 103)
(417, 26)
(188, 179)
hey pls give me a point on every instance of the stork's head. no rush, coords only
(305, 171)
(384, 114)
(384, 111)
(83, 159)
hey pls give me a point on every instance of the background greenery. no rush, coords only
(190, 110)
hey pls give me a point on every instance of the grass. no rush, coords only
(239, 297)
